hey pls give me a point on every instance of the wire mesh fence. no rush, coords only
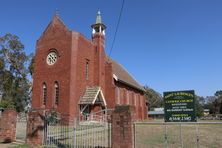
(174, 135)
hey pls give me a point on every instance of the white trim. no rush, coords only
(102, 96)
(93, 31)
(81, 111)
(115, 77)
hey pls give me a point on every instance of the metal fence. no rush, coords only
(174, 135)
(78, 135)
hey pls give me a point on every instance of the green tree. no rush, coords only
(210, 104)
(218, 95)
(199, 105)
(15, 85)
(31, 66)
(153, 98)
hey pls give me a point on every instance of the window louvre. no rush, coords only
(44, 93)
(56, 93)
(87, 70)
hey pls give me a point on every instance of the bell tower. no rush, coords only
(98, 39)
(98, 27)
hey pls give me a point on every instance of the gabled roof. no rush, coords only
(120, 74)
(91, 95)
(55, 23)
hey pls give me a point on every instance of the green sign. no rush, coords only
(179, 106)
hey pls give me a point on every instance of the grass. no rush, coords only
(153, 135)
(19, 146)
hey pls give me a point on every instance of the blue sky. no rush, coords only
(165, 44)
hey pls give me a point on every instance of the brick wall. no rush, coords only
(35, 127)
(137, 100)
(8, 125)
(55, 37)
(122, 127)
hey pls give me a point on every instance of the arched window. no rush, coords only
(44, 90)
(56, 87)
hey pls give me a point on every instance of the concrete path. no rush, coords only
(5, 145)
(9, 145)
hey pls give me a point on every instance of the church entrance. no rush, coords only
(93, 105)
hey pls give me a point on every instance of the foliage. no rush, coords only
(199, 106)
(31, 65)
(153, 98)
(15, 85)
(214, 103)
(52, 116)
(218, 95)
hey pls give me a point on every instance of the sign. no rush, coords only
(179, 106)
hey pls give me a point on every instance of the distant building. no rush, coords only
(206, 112)
(156, 113)
(74, 76)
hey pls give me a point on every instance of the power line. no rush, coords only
(117, 27)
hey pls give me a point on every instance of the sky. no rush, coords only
(167, 45)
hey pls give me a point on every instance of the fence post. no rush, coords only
(197, 135)
(35, 127)
(181, 137)
(165, 137)
(122, 127)
(74, 133)
(8, 125)
(134, 137)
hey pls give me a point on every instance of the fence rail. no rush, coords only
(178, 134)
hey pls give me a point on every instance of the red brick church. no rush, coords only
(74, 76)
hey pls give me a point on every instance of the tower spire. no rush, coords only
(98, 18)
(98, 27)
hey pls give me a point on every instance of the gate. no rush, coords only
(78, 135)
(21, 125)
(174, 134)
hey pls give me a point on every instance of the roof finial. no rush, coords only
(98, 13)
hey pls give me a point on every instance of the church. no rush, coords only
(74, 76)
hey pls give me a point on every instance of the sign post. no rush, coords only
(179, 106)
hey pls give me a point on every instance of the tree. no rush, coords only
(199, 104)
(31, 66)
(210, 104)
(15, 85)
(153, 98)
(218, 95)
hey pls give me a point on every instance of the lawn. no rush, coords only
(155, 134)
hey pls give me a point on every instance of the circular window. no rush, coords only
(51, 58)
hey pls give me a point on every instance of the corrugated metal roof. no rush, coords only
(156, 113)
